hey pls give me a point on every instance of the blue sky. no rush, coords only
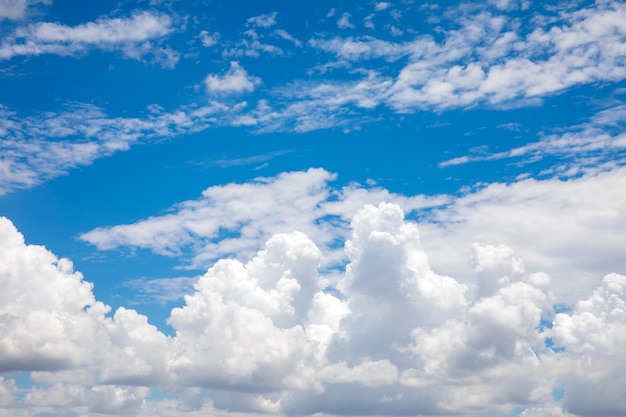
(332, 208)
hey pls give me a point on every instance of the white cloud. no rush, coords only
(16, 9)
(251, 213)
(62, 141)
(591, 146)
(566, 228)
(491, 59)
(344, 21)
(285, 35)
(432, 78)
(53, 324)
(593, 336)
(131, 36)
(236, 80)
(263, 336)
(382, 6)
(46, 309)
(209, 40)
(257, 325)
(264, 20)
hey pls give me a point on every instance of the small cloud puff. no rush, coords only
(236, 80)
(209, 39)
(344, 21)
(264, 20)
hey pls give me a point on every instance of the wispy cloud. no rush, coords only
(131, 36)
(488, 59)
(491, 59)
(226, 162)
(597, 144)
(40, 147)
(160, 290)
(264, 20)
(236, 218)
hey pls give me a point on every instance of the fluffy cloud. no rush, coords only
(53, 326)
(593, 337)
(236, 80)
(129, 35)
(260, 326)
(47, 309)
(564, 227)
(270, 336)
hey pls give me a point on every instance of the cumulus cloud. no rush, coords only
(261, 325)
(593, 338)
(53, 326)
(269, 335)
(563, 227)
(130, 35)
(236, 80)
(42, 329)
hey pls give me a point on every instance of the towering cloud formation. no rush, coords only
(270, 335)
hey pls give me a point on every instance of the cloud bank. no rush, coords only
(268, 335)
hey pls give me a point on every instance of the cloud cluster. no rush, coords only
(235, 219)
(484, 57)
(269, 336)
(564, 227)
